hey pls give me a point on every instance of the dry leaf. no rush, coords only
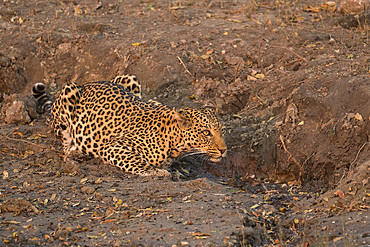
(53, 197)
(339, 193)
(177, 7)
(282, 209)
(209, 52)
(234, 20)
(358, 117)
(200, 234)
(314, 8)
(78, 11)
(251, 78)
(107, 221)
(92, 236)
(201, 237)
(205, 56)
(340, 204)
(18, 133)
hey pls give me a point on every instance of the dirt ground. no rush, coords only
(290, 80)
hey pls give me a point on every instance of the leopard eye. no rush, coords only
(206, 132)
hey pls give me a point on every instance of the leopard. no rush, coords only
(110, 121)
(130, 82)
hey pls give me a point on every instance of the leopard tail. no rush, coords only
(43, 99)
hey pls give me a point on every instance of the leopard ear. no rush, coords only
(210, 105)
(182, 120)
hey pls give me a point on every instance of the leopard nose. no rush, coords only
(222, 150)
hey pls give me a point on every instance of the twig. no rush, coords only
(292, 158)
(155, 210)
(186, 70)
(259, 58)
(363, 145)
(237, 69)
(21, 140)
(269, 191)
(264, 186)
(353, 162)
(287, 49)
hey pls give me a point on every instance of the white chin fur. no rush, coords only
(216, 159)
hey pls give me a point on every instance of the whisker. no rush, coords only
(206, 159)
(191, 153)
(203, 158)
(199, 156)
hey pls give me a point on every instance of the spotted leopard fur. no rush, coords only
(105, 120)
(130, 82)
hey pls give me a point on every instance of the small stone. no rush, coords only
(17, 113)
(98, 195)
(269, 208)
(87, 190)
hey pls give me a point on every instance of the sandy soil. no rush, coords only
(290, 79)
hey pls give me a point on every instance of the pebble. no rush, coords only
(87, 190)
(17, 113)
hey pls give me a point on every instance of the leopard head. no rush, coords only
(201, 133)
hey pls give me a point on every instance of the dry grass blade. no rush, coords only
(292, 158)
(287, 49)
(21, 140)
(186, 70)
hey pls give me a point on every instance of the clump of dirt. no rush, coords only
(18, 109)
(352, 192)
(229, 97)
(290, 79)
(16, 205)
(12, 79)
